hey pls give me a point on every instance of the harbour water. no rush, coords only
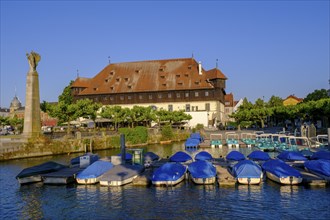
(184, 201)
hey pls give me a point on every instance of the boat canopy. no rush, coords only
(180, 156)
(40, 169)
(259, 155)
(196, 136)
(291, 156)
(169, 172)
(95, 170)
(235, 155)
(280, 169)
(202, 169)
(322, 154)
(192, 142)
(203, 155)
(247, 169)
(320, 166)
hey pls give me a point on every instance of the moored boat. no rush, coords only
(120, 175)
(33, 174)
(259, 156)
(180, 157)
(322, 154)
(292, 157)
(280, 172)
(247, 172)
(202, 172)
(233, 157)
(169, 174)
(93, 172)
(149, 158)
(320, 167)
(203, 155)
(63, 176)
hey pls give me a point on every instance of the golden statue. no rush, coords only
(33, 59)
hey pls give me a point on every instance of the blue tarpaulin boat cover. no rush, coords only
(322, 154)
(291, 156)
(169, 172)
(95, 170)
(128, 156)
(280, 169)
(259, 155)
(320, 166)
(202, 169)
(180, 156)
(247, 169)
(41, 169)
(203, 155)
(150, 156)
(191, 142)
(196, 136)
(235, 155)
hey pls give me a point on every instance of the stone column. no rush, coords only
(32, 121)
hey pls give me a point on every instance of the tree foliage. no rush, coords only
(316, 95)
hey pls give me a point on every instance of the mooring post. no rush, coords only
(123, 149)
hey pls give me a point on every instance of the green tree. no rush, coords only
(113, 113)
(275, 101)
(246, 105)
(316, 95)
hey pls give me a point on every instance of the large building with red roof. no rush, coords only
(172, 84)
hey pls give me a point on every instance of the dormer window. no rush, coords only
(112, 73)
(137, 71)
(163, 77)
(95, 89)
(129, 86)
(186, 75)
(126, 79)
(190, 67)
(196, 82)
(111, 88)
(117, 79)
(106, 80)
(180, 83)
(178, 76)
(164, 84)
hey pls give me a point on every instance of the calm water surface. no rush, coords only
(186, 200)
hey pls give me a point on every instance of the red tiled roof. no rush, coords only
(229, 98)
(146, 76)
(294, 97)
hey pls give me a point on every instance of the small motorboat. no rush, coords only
(93, 172)
(84, 160)
(63, 176)
(203, 155)
(180, 157)
(33, 174)
(319, 167)
(280, 172)
(169, 174)
(292, 158)
(322, 154)
(259, 156)
(233, 157)
(247, 172)
(120, 175)
(202, 172)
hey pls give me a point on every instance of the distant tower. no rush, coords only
(32, 127)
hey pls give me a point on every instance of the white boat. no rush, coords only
(169, 174)
(232, 139)
(280, 172)
(120, 175)
(93, 172)
(247, 172)
(202, 172)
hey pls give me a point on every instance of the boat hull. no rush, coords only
(249, 181)
(290, 180)
(87, 181)
(203, 181)
(168, 183)
(29, 179)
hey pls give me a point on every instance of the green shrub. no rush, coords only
(199, 127)
(137, 135)
(167, 133)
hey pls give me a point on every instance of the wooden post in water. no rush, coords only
(123, 149)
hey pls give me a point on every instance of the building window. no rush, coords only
(187, 94)
(106, 80)
(121, 97)
(129, 86)
(196, 82)
(207, 107)
(192, 108)
(140, 96)
(105, 98)
(112, 72)
(186, 75)
(150, 96)
(164, 84)
(227, 103)
(187, 107)
(196, 94)
(111, 98)
(178, 95)
(206, 93)
(178, 76)
(169, 95)
(159, 96)
(117, 79)
(111, 87)
(129, 97)
(170, 108)
(163, 77)
(126, 79)
(180, 83)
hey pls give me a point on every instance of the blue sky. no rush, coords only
(265, 48)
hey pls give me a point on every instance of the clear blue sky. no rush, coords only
(265, 48)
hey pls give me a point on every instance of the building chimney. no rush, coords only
(199, 68)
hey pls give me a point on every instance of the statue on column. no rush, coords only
(33, 59)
